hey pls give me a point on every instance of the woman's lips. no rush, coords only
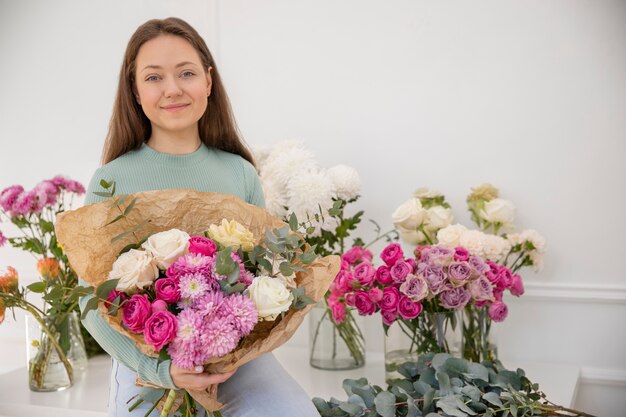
(175, 107)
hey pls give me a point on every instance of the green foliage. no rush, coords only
(440, 385)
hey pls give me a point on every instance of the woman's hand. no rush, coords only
(196, 379)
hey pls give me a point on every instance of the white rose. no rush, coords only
(473, 241)
(450, 236)
(410, 215)
(346, 181)
(425, 192)
(135, 269)
(412, 237)
(438, 217)
(270, 296)
(167, 246)
(495, 248)
(499, 211)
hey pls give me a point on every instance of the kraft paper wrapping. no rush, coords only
(86, 240)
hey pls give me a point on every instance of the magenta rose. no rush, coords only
(350, 299)
(517, 286)
(409, 309)
(113, 294)
(461, 254)
(415, 287)
(376, 294)
(167, 289)
(455, 298)
(201, 245)
(365, 273)
(158, 305)
(412, 264)
(338, 310)
(382, 275)
(459, 273)
(498, 311)
(135, 312)
(160, 329)
(391, 254)
(389, 316)
(357, 255)
(391, 297)
(399, 271)
(503, 281)
(363, 304)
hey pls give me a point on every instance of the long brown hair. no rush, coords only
(129, 127)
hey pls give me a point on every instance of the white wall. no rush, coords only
(530, 96)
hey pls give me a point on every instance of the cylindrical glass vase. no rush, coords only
(47, 369)
(335, 346)
(479, 337)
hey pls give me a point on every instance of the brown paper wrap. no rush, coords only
(86, 241)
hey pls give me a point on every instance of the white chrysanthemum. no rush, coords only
(275, 197)
(450, 236)
(346, 181)
(473, 241)
(539, 242)
(260, 155)
(495, 248)
(285, 165)
(308, 191)
(328, 223)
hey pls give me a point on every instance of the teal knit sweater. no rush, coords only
(206, 169)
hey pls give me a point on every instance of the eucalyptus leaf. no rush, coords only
(439, 360)
(92, 304)
(357, 400)
(444, 382)
(151, 395)
(349, 384)
(103, 290)
(367, 393)
(385, 403)
(493, 398)
(320, 404)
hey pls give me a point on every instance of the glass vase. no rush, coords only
(335, 346)
(405, 340)
(56, 352)
(479, 338)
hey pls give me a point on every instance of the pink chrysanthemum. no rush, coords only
(218, 337)
(242, 313)
(69, 185)
(193, 286)
(9, 195)
(24, 204)
(184, 346)
(192, 263)
(210, 304)
(3, 239)
(47, 193)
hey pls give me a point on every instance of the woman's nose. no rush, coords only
(172, 88)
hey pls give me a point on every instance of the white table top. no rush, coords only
(88, 397)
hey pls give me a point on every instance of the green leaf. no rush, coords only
(151, 395)
(55, 294)
(493, 398)
(444, 382)
(293, 222)
(450, 406)
(103, 290)
(104, 184)
(321, 404)
(46, 226)
(349, 384)
(224, 264)
(367, 393)
(472, 392)
(351, 408)
(37, 287)
(121, 236)
(119, 201)
(308, 257)
(477, 371)
(130, 206)
(64, 334)
(92, 304)
(118, 218)
(385, 403)
(101, 194)
(285, 269)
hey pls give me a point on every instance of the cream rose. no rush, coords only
(410, 215)
(438, 217)
(167, 246)
(425, 192)
(230, 233)
(412, 237)
(498, 211)
(135, 269)
(450, 236)
(270, 296)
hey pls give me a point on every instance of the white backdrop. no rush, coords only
(530, 96)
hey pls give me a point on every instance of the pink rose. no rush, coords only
(201, 245)
(338, 311)
(391, 254)
(344, 265)
(135, 312)
(498, 311)
(383, 276)
(350, 299)
(113, 294)
(415, 287)
(363, 304)
(167, 290)
(399, 271)
(408, 309)
(461, 254)
(376, 294)
(391, 297)
(517, 286)
(412, 264)
(419, 251)
(481, 289)
(365, 273)
(503, 281)
(160, 329)
(357, 255)
(497, 294)
(455, 298)
(389, 316)
(158, 305)
(478, 264)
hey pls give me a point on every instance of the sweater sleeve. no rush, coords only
(254, 190)
(115, 344)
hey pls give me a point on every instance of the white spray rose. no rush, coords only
(499, 211)
(538, 241)
(135, 269)
(233, 234)
(270, 296)
(473, 241)
(412, 237)
(438, 217)
(167, 246)
(410, 215)
(425, 192)
(346, 181)
(451, 236)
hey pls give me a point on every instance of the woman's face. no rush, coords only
(171, 85)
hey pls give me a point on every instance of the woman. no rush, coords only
(172, 127)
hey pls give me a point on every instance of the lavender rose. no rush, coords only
(167, 289)
(435, 277)
(160, 329)
(408, 309)
(459, 273)
(135, 312)
(481, 289)
(498, 311)
(455, 298)
(415, 287)
(399, 271)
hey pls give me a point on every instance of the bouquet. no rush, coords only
(226, 284)
(33, 213)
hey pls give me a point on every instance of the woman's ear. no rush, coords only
(209, 81)
(136, 94)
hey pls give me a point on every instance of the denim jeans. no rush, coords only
(260, 388)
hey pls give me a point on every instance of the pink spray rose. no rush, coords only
(412, 265)
(365, 273)
(135, 312)
(498, 311)
(167, 289)
(391, 297)
(350, 299)
(113, 294)
(461, 254)
(399, 271)
(160, 329)
(338, 311)
(517, 286)
(503, 281)
(389, 316)
(391, 254)
(382, 275)
(455, 298)
(363, 304)
(356, 255)
(408, 309)
(376, 294)
(201, 245)
(158, 305)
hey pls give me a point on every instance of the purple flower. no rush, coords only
(391, 254)
(481, 289)
(8, 196)
(435, 277)
(504, 278)
(455, 298)
(399, 271)
(183, 349)
(209, 304)
(498, 311)
(459, 273)
(192, 263)
(415, 287)
(438, 255)
(408, 309)
(363, 304)
(365, 273)
(241, 311)
(47, 193)
(391, 297)
(193, 286)
(383, 276)
(478, 264)
(69, 185)
(25, 204)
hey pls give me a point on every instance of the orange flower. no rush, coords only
(8, 280)
(48, 268)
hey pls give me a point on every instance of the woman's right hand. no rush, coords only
(196, 379)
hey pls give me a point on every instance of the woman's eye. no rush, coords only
(187, 74)
(152, 78)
